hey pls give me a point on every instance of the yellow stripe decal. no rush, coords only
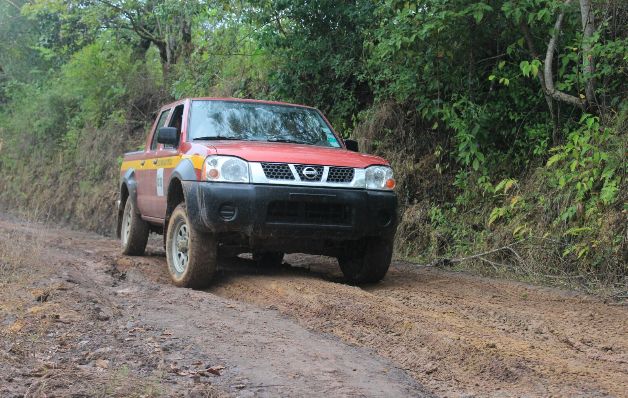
(197, 160)
(168, 162)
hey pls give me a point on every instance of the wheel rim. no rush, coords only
(179, 247)
(126, 224)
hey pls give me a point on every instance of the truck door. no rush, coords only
(162, 163)
(145, 172)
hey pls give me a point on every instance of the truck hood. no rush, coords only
(275, 152)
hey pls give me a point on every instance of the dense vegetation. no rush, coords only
(506, 121)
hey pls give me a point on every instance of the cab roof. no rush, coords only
(182, 100)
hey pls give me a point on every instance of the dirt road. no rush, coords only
(76, 317)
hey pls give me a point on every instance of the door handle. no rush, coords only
(142, 162)
(154, 161)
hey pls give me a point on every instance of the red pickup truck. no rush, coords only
(220, 177)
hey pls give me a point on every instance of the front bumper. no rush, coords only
(274, 215)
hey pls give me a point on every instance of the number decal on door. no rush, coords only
(160, 182)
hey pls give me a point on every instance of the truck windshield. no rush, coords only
(251, 121)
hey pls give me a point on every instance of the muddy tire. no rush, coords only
(366, 261)
(191, 254)
(133, 232)
(268, 259)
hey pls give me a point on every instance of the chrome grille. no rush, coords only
(301, 167)
(277, 171)
(340, 174)
(297, 174)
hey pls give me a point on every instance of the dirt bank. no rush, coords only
(112, 324)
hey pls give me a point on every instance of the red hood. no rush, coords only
(294, 153)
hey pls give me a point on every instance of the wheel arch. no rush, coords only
(176, 191)
(175, 196)
(127, 191)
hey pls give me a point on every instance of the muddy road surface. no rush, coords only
(79, 319)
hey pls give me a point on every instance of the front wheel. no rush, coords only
(191, 254)
(366, 261)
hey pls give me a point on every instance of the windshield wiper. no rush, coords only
(287, 140)
(215, 137)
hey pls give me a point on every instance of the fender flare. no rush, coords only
(131, 185)
(128, 180)
(183, 172)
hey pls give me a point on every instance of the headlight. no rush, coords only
(379, 177)
(225, 169)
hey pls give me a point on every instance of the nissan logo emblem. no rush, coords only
(310, 172)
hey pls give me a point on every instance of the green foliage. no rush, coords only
(583, 166)
(65, 133)
(449, 91)
(505, 185)
(465, 118)
(514, 203)
(530, 68)
(226, 61)
(317, 52)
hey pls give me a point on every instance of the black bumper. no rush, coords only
(278, 214)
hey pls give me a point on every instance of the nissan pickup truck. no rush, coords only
(222, 177)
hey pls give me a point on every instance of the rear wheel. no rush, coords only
(134, 231)
(366, 261)
(268, 259)
(191, 254)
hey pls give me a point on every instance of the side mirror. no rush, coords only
(167, 136)
(352, 145)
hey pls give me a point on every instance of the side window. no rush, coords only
(176, 121)
(160, 123)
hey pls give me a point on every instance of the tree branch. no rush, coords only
(13, 4)
(549, 58)
(480, 256)
(548, 99)
(137, 28)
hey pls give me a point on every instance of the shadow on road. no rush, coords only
(231, 268)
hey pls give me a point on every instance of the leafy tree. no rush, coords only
(503, 119)
(166, 24)
(20, 58)
(317, 46)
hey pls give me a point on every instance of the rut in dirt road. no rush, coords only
(455, 334)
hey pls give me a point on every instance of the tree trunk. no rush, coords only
(186, 39)
(588, 63)
(163, 56)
